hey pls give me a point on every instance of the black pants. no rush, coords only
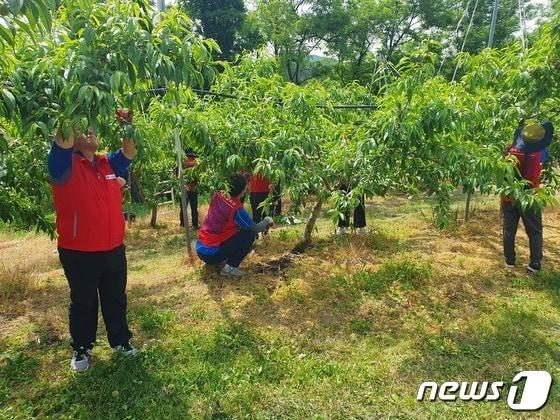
(234, 250)
(532, 220)
(90, 274)
(256, 199)
(359, 216)
(192, 201)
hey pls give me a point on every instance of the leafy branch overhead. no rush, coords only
(100, 56)
(423, 132)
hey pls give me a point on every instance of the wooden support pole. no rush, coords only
(183, 190)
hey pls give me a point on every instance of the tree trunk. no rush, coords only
(468, 206)
(153, 220)
(136, 189)
(300, 247)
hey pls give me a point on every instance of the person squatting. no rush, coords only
(87, 193)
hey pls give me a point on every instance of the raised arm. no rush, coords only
(59, 162)
(128, 147)
(121, 159)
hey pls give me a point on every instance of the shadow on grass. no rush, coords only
(549, 281)
(117, 388)
(490, 348)
(317, 306)
(190, 376)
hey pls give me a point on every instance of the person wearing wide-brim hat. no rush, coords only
(530, 142)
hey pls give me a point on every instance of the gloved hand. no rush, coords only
(124, 115)
(263, 225)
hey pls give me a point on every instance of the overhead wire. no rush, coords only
(465, 38)
(204, 92)
(456, 33)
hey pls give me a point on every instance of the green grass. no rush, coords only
(348, 330)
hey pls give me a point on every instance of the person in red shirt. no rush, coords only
(192, 190)
(228, 232)
(260, 189)
(529, 147)
(90, 225)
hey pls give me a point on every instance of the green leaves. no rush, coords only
(104, 54)
(15, 6)
(9, 101)
(7, 31)
(29, 16)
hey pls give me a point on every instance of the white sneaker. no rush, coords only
(362, 231)
(80, 360)
(230, 271)
(340, 231)
(291, 220)
(126, 349)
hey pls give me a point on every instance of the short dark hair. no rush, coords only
(237, 184)
(190, 152)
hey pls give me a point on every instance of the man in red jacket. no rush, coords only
(90, 225)
(529, 148)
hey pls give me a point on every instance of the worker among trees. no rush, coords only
(529, 147)
(190, 163)
(228, 232)
(90, 225)
(260, 189)
(359, 219)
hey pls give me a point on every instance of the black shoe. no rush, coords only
(509, 264)
(534, 268)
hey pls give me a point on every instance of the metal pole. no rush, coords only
(523, 24)
(493, 24)
(161, 5)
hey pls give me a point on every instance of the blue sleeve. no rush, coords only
(243, 220)
(120, 163)
(517, 137)
(544, 155)
(59, 163)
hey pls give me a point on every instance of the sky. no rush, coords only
(531, 24)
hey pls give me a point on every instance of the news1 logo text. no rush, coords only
(532, 397)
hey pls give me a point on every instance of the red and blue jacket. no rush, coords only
(226, 216)
(87, 199)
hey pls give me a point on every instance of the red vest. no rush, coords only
(219, 224)
(529, 165)
(259, 184)
(89, 207)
